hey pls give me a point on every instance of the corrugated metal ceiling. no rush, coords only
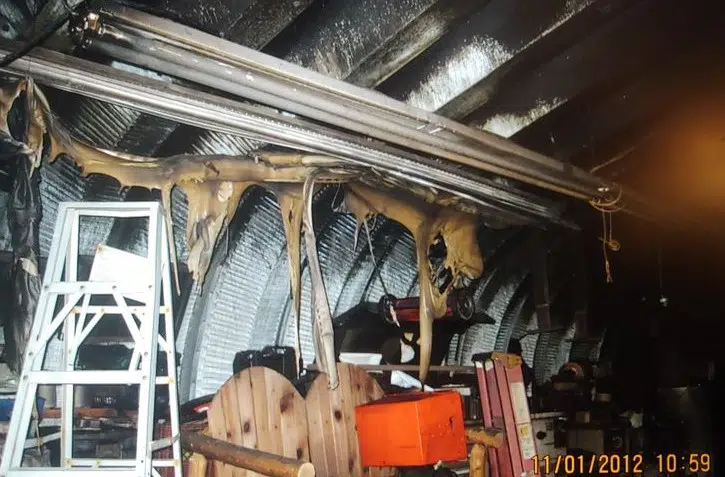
(508, 66)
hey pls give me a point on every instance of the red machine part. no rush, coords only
(460, 306)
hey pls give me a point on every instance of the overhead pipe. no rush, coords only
(208, 111)
(163, 45)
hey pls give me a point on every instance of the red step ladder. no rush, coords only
(504, 406)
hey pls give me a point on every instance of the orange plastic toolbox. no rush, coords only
(411, 429)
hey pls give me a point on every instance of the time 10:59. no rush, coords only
(690, 462)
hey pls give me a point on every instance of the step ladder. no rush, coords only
(504, 406)
(79, 314)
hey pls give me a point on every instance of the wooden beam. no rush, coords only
(486, 437)
(245, 458)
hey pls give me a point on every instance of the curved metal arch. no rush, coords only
(526, 316)
(398, 268)
(505, 263)
(498, 250)
(482, 338)
(513, 313)
(323, 228)
(587, 350)
(276, 301)
(191, 351)
(509, 260)
(366, 268)
(549, 344)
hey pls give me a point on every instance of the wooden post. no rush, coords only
(477, 462)
(485, 437)
(245, 458)
(197, 465)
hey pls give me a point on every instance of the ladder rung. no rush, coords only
(104, 463)
(98, 288)
(96, 463)
(85, 377)
(112, 309)
(163, 443)
(116, 472)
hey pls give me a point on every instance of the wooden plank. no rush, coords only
(341, 434)
(273, 390)
(233, 422)
(259, 409)
(319, 427)
(259, 397)
(354, 466)
(334, 444)
(197, 465)
(245, 402)
(293, 423)
(363, 389)
(217, 429)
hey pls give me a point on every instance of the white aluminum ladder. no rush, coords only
(78, 316)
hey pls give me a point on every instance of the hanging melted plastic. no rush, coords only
(214, 186)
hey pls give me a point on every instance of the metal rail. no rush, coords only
(171, 48)
(208, 111)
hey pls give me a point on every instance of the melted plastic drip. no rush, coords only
(291, 207)
(214, 186)
(425, 221)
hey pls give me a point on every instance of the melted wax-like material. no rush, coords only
(427, 222)
(214, 186)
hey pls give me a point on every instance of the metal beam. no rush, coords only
(643, 37)
(592, 119)
(166, 46)
(207, 111)
(335, 37)
(544, 48)
(263, 20)
(489, 40)
(410, 42)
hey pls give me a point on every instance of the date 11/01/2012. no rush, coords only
(617, 464)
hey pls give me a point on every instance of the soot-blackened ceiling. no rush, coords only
(585, 81)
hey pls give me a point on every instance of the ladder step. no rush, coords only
(86, 377)
(98, 288)
(114, 310)
(85, 464)
(116, 472)
(163, 443)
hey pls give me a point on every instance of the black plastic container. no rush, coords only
(279, 358)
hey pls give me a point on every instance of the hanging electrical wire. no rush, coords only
(607, 207)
